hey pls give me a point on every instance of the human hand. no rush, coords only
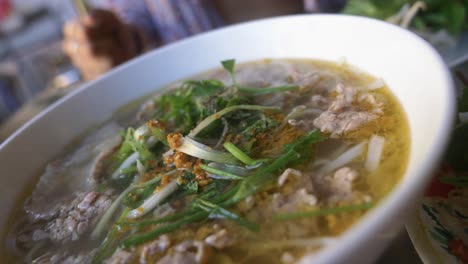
(99, 41)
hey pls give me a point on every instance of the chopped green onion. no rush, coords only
(125, 164)
(223, 174)
(108, 215)
(140, 239)
(109, 244)
(293, 153)
(115, 205)
(238, 153)
(266, 90)
(154, 200)
(226, 195)
(198, 150)
(324, 211)
(234, 169)
(216, 211)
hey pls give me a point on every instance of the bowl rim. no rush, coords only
(390, 206)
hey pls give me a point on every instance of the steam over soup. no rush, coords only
(266, 162)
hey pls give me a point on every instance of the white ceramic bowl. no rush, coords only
(411, 68)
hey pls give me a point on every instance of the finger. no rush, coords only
(70, 47)
(86, 54)
(94, 68)
(73, 30)
(99, 68)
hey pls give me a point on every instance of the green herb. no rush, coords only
(137, 196)
(125, 149)
(259, 126)
(129, 170)
(324, 211)
(450, 15)
(238, 153)
(216, 211)
(140, 239)
(207, 121)
(266, 90)
(189, 104)
(457, 155)
(217, 190)
(222, 174)
(111, 241)
(203, 88)
(223, 198)
(380, 9)
(293, 153)
(229, 66)
(463, 99)
(454, 13)
(189, 184)
(456, 181)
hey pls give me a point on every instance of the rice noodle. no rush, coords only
(374, 152)
(345, 158)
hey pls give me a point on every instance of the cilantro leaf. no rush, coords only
(189, 184)
(229, 65)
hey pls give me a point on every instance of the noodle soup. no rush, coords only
(262, 162)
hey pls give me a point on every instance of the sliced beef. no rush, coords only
(220, 239)
(345, 114)
(72, 220)
(154, 248)
(121, 257)
(77, 218)
(337, 186)
(339, 123)
(187, 252)
(76, 173)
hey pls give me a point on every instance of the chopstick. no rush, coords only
(81, 7)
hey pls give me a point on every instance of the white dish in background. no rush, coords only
(437, 227)
(412, 69)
